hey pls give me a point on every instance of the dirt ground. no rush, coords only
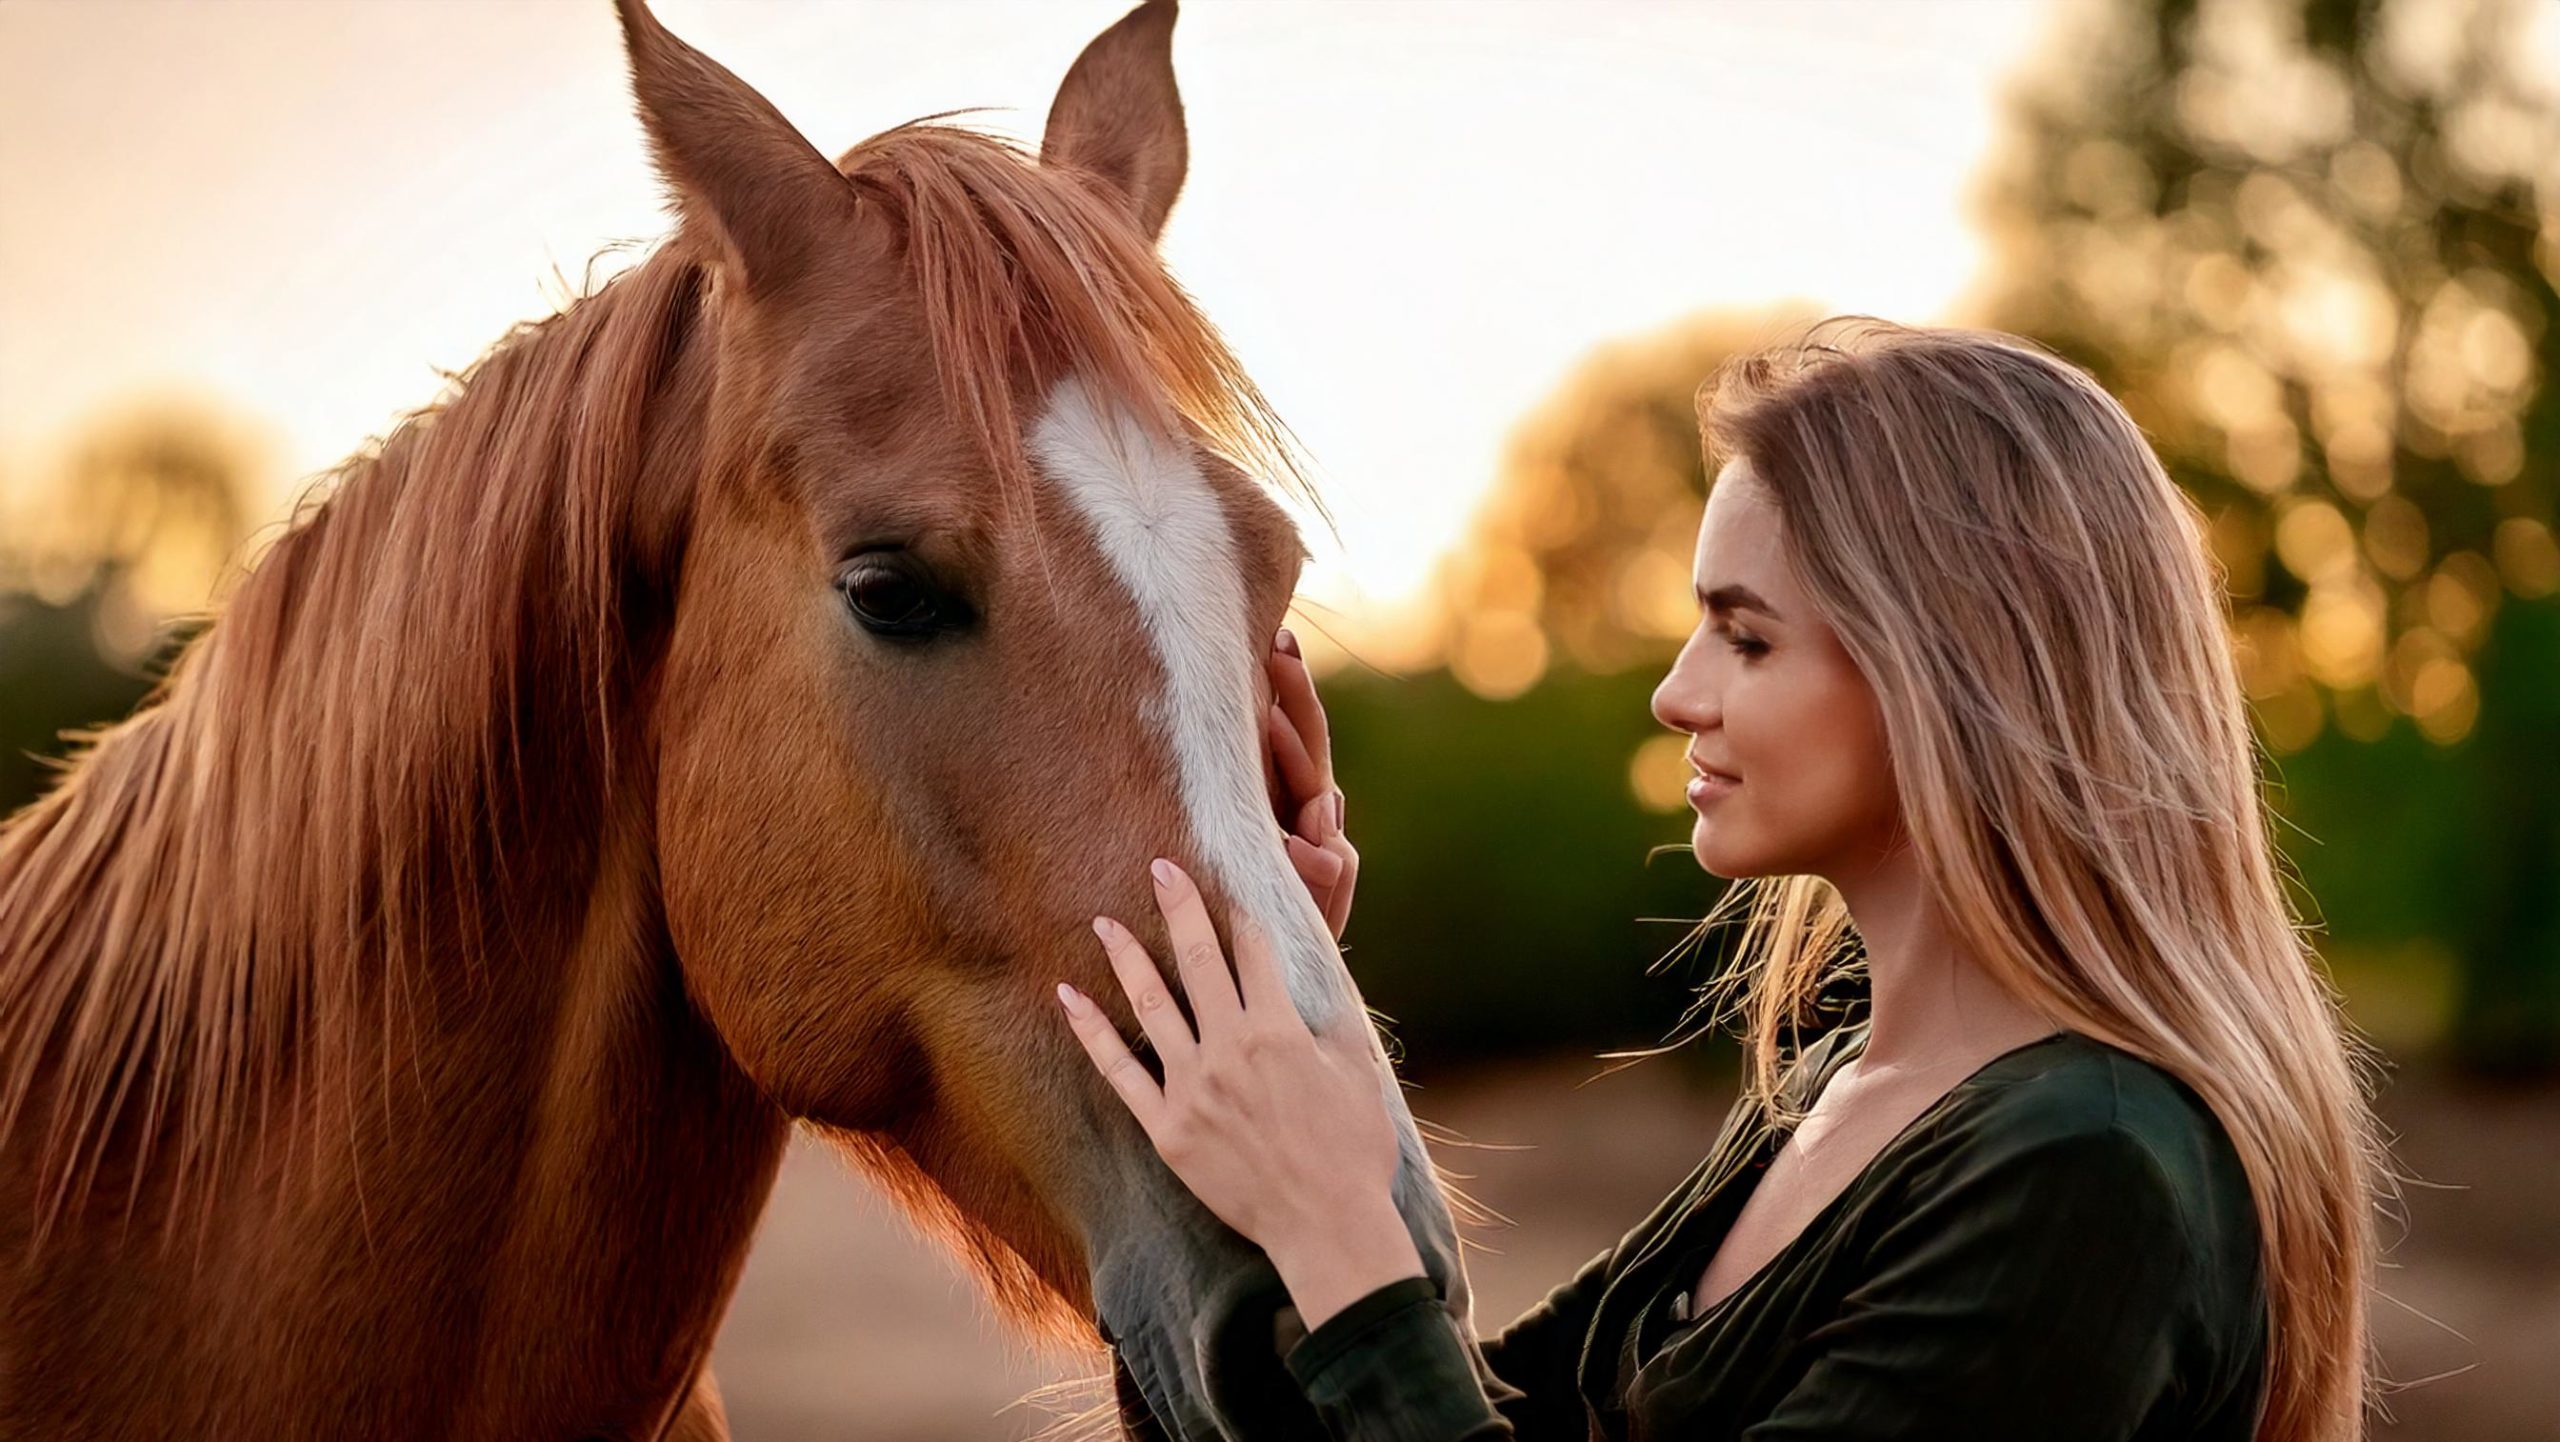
(847, 1328)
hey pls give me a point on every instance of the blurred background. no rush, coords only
(1481, 256)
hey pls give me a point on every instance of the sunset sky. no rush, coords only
(1411, 219)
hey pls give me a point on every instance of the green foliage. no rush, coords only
(146, 513)
(1505, 891)
(2312, 247)
(54, 679)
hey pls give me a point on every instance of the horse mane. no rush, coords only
(240, 900)
(235, 888)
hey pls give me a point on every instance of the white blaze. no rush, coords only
(1167, 539)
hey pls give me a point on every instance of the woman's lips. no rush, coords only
(1707, 786)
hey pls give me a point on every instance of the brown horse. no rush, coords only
(725, 709)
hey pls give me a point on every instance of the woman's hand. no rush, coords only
(1303, 792)
(1283, 1133)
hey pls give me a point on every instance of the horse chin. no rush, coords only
(1200, 1327)
(1204, 1364)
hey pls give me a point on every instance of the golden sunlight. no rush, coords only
(309, 211)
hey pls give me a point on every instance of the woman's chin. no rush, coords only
(1714, 855)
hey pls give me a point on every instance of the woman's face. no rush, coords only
(1786, 742)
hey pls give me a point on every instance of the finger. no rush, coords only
(1302, 781)
(1315, 819)
(1320, 872)
(1266, 991)
(1337, 902)
(1198, 957)
(1121, 1071)
(1272, 783)
(1158, 1017)
(1294, 688)
(1318, 868)
(1274, 780)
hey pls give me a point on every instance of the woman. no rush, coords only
(2089, 1156)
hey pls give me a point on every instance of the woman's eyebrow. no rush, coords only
(1730, 598)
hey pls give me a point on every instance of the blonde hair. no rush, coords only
(2032, 600)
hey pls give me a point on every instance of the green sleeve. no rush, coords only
(2032, 1291)
(1391, 1368)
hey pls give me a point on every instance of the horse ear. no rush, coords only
(730, 158)
(1118, 115)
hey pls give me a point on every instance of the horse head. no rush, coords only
(972, 582)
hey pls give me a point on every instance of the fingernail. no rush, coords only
(1103, 927)
(1164, 871)
(1288, 643)
(1337, 810)
(1072, 999)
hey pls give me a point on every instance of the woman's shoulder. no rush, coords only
(2132, 1135)
(2073, 1086)
(2052, 1091)
(2068, 1100)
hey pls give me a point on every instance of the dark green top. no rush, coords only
(2063, 1247)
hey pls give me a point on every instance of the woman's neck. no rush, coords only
(1931, 1002)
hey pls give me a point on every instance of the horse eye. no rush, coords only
(891, 599)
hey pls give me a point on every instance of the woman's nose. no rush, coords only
(1680, 701)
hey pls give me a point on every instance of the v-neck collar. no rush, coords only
(1687, 1238)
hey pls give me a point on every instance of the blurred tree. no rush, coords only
(54, 682)
(1581, 552)
(101, 570)
(2313, 246)
(1512, 803)
(153, 497)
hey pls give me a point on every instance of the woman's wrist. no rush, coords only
(1330, 1267)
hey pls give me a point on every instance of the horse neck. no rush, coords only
(385, 948)
(585, 1159)
(548, 1200)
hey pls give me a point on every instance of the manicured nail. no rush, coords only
(1288, 643)
(1073, 1000)
(1164, 871)
(1103, 928)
